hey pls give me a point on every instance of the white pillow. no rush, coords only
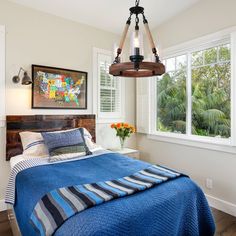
(33, 144)
(90, 144)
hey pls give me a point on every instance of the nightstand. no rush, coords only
(127, 152)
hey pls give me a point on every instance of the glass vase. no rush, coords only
(122, 142)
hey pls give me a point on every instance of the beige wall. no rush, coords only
(33, 37)
(207, 16)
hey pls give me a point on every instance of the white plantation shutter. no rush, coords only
(109, 93)
(108, 88)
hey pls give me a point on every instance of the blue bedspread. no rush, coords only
(177, 207)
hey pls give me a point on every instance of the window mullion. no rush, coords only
(233, 85)
(154, 83)
(189, 96)
(111, 99)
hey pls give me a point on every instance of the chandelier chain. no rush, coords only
(137, 2)
(130, 16)
(129, 19)
(144, 18)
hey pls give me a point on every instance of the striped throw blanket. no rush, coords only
(58, 205)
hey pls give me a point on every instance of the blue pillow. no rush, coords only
(59, 143)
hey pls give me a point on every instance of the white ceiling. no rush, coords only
(109, 15)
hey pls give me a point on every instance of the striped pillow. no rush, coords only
(66, 145)
(33, 144)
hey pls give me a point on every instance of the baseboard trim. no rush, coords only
(3, 205)
(221, 205)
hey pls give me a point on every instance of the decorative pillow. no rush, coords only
(90, 144)
(60, 144)
(33, 144)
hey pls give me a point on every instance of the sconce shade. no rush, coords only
(26, 80)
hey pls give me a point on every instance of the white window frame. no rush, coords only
(105, 117)
(2, 76)
(220, 144)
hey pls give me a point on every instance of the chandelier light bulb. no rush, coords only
(136, 40)
(136, 43)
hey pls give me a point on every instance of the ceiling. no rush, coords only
(109, 15)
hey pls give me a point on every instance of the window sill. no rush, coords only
(192, 141)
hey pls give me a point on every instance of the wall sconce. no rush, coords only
(26, 80)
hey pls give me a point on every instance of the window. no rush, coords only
(211, 73)
(171, 96)
(194, 99)
(109, 87)
(108, 94)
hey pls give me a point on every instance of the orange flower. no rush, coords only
(126, 125)
(120, 126)
(133, 129)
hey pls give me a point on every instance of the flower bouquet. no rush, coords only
(123, 131)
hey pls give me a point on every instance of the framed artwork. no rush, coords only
(56, 88)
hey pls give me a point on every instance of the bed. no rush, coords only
(176, 207)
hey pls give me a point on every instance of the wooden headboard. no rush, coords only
(39, 123)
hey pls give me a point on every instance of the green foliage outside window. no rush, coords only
(210, 78)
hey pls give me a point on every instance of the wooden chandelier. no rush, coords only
(136, 67)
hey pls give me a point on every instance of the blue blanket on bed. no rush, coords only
(177, 207)
(60, 204)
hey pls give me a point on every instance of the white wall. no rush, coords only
(205, 17)
(33, 37)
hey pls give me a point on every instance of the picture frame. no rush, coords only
(58, 88)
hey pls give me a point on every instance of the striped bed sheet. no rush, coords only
(29, 163)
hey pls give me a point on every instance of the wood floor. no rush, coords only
(225, 224)
(5, 228)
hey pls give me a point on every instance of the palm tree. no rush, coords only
(210, 98)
